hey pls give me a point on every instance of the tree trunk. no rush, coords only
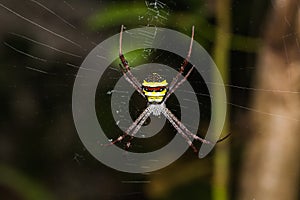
(221, 170)
(272, 161)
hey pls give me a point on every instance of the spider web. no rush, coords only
(43, 45)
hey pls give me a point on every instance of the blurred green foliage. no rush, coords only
(22, 185)
(131, 16)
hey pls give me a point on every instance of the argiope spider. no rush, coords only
(156, 91)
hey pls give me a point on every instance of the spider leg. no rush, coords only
(132, 84)
(185, 62)
(184, 128)
(137, 128)
(133, 80)
(178, 84)
(133, 125)
(179, 130)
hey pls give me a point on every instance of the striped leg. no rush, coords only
(184, 128)
(178, 84)
(133, 125)
(180, 131)
(185, 62)
(129, 76)
(132, 84)
(137, 128)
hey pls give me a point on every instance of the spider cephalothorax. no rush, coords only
(156, 91)
(155, 88)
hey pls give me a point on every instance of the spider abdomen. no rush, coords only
(155, 88)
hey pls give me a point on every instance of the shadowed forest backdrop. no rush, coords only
(256, 47)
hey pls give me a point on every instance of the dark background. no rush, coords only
(41, 155)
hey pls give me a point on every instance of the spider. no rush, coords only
(156, 91)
